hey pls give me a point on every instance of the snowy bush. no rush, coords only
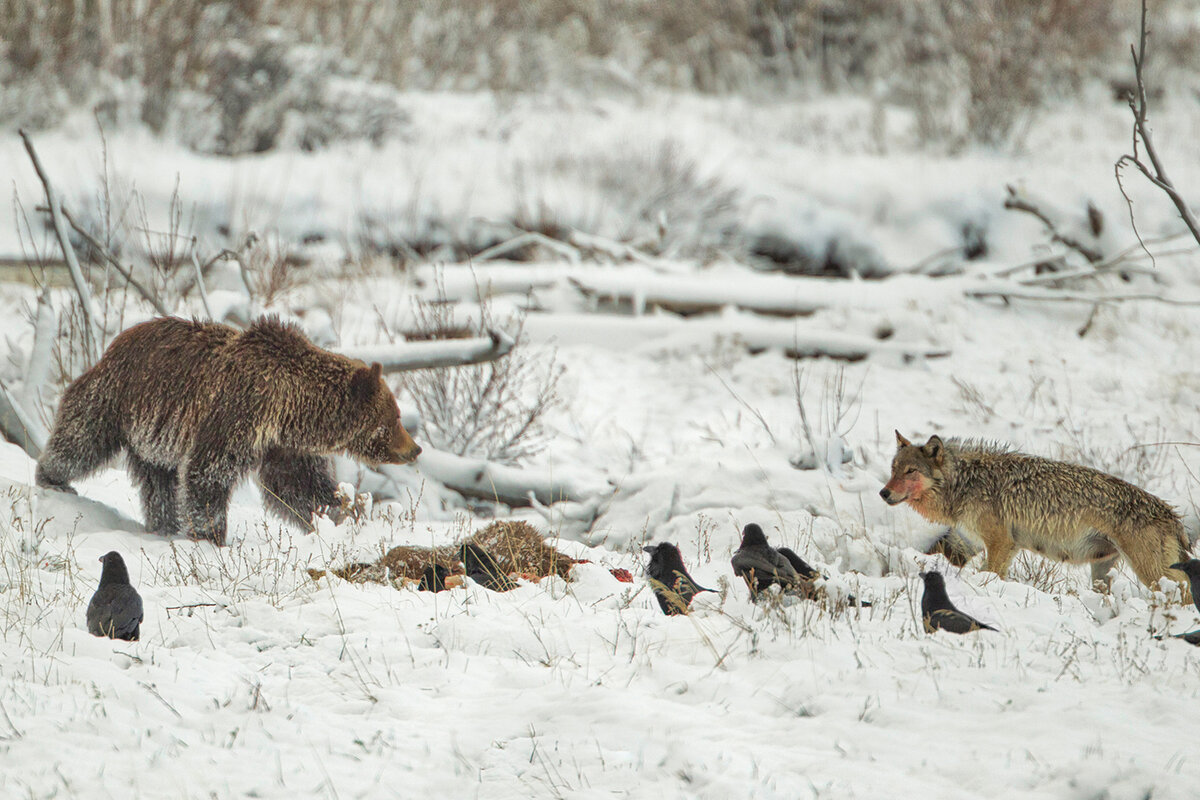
(220, 77)
(249, 76)
(493, 410)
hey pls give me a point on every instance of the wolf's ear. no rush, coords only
(934, 449)
(901, 441)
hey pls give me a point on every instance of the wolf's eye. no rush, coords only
(910, 471)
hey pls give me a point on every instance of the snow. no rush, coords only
(254, 679)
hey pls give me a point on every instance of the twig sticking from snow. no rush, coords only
(92, 338)
(1156, 173)
(200, 282)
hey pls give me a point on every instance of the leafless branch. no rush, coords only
(200, 281)
(149, 296)
(92, 338)
(1016, 202)
(1156, 172)
(1053, 295)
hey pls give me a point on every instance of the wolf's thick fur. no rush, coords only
(196, 406)
(1011, 501)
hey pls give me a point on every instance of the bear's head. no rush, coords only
(381, 439)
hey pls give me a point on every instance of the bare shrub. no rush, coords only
(222, 77)
(824, 444)
(976, 70)
(251, 75)
(269, 269)
(168, 247)
(493, 410)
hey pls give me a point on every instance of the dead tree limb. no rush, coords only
(147, 295)
(1016, 202)
(92, 339)
(1057, 296)
(526, 239)
(1155, 172)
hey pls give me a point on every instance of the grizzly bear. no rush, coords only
(196, 406)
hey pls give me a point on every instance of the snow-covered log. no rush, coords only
(638, 288)
(667, 332)
(482, 479)
(41, 352)
(441, 353)
(19, 425)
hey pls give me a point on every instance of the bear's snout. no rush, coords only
(410, 455)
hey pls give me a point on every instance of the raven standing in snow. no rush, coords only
(116, 608)
(669, 579)
(938, 613)
(761, 565)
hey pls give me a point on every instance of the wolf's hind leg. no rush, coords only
(1101, 570)
(1146, 551)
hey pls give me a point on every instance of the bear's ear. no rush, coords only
(365, 381)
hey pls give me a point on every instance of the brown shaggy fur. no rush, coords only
(198, 405)
(520, 548)
(1010, 501)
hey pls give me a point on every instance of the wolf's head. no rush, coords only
(914, 470)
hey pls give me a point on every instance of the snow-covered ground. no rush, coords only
(254, 680)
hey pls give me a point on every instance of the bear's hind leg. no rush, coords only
(159, 487)
(83, 439)
(295, 484)
(206, 481)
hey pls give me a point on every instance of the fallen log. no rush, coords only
(439, 353)
(20, 426)
(664, 332)
(638, 289)
(484, 480)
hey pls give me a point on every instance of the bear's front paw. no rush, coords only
(351, 505)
